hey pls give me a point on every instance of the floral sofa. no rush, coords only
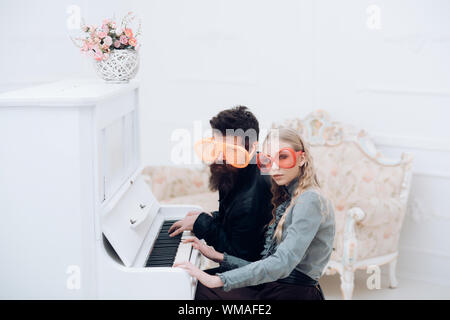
(178, 185)
(369, 193)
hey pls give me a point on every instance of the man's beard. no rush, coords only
(223, 177)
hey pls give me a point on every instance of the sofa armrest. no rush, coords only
(384, 199)
(169, 182)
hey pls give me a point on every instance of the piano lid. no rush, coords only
(127, 223)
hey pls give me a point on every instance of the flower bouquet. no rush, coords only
(114, 49)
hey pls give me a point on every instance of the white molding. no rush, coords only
(417, 143)
(420, 143)
(213, 81)
(436, 253)
(403, 91)
(434, 174)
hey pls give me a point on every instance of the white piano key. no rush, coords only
(183, 252)
(186, 235)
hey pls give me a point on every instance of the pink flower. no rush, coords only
(118, 31)
(117, 43)
(108, 41)
(106, 21)
(105, 28)
(123, 39)
(113, 25)
(105, 56)
(129, 33)
(102, 34)
(132, 42)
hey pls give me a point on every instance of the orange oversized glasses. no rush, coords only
(285, 158)
(209, 150)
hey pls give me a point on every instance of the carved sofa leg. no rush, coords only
(350, 251)
(347, 284)
(392, 276)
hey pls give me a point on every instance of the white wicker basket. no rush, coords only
(121, 66)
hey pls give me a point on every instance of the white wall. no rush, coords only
(204, 56)
(395, 83)
(282, 58)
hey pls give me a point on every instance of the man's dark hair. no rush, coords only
(223, 177)
(239, 117)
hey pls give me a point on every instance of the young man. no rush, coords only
(245, 208)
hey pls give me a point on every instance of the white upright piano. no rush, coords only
(77, 220)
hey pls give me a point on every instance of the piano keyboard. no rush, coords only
(168, 250)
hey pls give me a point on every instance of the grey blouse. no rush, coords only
(306, 245)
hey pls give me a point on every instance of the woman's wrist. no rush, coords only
(219, 257)
(216, 282)
(210, 281)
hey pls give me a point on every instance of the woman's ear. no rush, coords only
(301, 160)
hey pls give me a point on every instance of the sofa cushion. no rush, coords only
(207, 200)
(169, 182)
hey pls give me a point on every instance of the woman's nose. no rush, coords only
(275, 166)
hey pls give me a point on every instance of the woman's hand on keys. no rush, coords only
(208, 251)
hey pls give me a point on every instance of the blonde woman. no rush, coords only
(299, 238)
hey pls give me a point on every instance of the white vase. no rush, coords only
(121, 66)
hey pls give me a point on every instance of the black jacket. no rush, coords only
(239, 225)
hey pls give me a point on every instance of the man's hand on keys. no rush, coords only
(186, 224)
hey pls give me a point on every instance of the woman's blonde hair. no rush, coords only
(306, 179)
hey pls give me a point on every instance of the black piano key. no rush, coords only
(167, 261)
(163, 250)
(168, 242)
(161, 258)
(165, 247)
(167, 237)
(163, 254)
(159, 265)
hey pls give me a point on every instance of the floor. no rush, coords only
(407, 289)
